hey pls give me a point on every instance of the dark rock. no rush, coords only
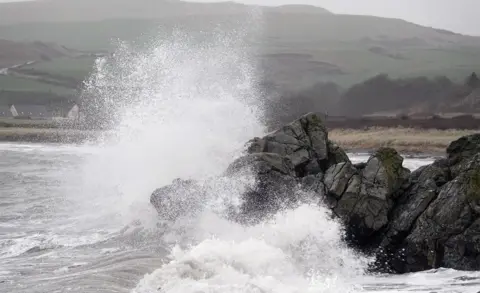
(336, 154)
(363, 198)
(423, 187)
(465, 164)
(304, 142)
(261, 163)
(273, 189)
(442, 236)
(181, 198)
(435, 219)
(462, 252)
(272, 192)
(337, 179)
(296, 155)
(385, 169)
(413, 201)
(464, 147)
(462, 150)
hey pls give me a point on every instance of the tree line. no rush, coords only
(380, 93)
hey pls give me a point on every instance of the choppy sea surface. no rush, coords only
(68, 225)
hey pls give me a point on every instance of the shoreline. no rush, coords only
(408, 141)
(46, 135)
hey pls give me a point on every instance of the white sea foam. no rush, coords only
(299, 251)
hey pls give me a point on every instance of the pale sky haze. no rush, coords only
(461, 16)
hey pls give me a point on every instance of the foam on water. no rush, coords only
(298, 251)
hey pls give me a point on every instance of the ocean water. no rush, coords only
(77, 218)
(62, 230)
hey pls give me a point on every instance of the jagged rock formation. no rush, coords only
(275, 181)
(304, 142)
(364, 197)
(413, 220)
(436, 220)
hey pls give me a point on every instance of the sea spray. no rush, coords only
(184, 108)
(181, 106)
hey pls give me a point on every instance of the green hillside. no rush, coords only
(297, 46)
(76, 68)
(10, 83)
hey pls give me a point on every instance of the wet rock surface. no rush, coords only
(274, 188)
(178, 199)
(412, 221)
(435, 220)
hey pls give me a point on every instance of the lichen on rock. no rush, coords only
(336, 154)
(474, 184)
(385, 168)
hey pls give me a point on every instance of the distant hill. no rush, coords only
(94, 10)
(17, 53)
(297, 8)
(306, 23)
(297, 46)
(312, 47)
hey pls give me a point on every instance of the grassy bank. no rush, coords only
(405, 140)
(45, 135)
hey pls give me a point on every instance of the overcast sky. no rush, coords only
(461, 16)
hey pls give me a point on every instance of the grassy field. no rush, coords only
(34, 98)
(355, 66)
(11, 83)
(17, 90)
(49, 135)
(77, 68)
(343, 41)
(26, 123)
(406, 140)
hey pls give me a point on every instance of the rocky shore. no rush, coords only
(411, 221)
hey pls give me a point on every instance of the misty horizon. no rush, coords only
(459, 16)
